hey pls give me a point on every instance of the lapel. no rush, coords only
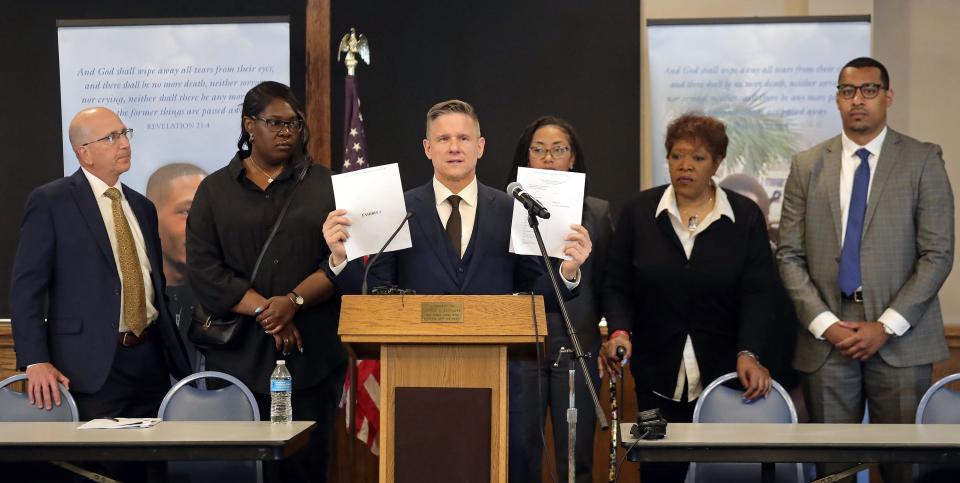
(83, 196)
(831, 182)
(483, 223)
(889, 156)
(663, 220)
(666, 229)
(431, 229)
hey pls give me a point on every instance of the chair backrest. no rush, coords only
(940, 404)
(721, 404)
(234, 402)
(15, 406)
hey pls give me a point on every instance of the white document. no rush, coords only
(561, 192)
(120, 423)
(373, 198)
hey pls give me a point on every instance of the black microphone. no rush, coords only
(529, 202)
(366, 272)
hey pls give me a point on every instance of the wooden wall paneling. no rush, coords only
(318, 80)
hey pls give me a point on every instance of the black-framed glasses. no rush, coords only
(868, 91)
(112, 137)
(558, 152)
(277, 125)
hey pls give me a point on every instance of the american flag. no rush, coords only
(366, 420)
(354, 138)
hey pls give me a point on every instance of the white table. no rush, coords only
(167, 441)
(809, 443)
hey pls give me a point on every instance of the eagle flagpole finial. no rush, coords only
(353, 44)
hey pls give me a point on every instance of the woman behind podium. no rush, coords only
(551, 143)
(688, 284)
(290, 311)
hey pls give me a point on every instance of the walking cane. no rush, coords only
(614, 423)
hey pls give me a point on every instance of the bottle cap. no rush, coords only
(281, 362)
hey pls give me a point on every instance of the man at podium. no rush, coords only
(461, 228)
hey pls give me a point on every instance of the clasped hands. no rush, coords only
(275, 315)
(857, 340)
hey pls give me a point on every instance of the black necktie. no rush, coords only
(454, 232)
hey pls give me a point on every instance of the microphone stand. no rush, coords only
(578, 353)
(366, 271)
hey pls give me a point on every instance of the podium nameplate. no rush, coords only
(441, 312)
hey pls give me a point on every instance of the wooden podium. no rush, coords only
(431, 347)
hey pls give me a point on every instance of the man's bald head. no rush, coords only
(84, 122)
(106, 158)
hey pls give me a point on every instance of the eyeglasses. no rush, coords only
(112, 137)
(868, 91)
(557, 151)
(277, 125)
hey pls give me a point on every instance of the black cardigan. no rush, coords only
(721, 297)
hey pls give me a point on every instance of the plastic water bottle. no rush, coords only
(281, 387)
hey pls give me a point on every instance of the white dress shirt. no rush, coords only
(689, 373)
(106, 212)
(893, 322)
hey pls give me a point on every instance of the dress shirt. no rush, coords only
(893, 322)
(106, 211)
(689, 373)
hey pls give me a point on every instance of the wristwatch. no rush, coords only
(748, 354)
(296, 299)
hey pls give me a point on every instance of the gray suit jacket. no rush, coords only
(906, 250)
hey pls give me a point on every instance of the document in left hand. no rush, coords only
(561, 192)
(373, 198)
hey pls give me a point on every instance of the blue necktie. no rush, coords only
(850, 255)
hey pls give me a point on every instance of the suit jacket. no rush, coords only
(65, 293)
(720, 296)
(906, 249)
(428, 268)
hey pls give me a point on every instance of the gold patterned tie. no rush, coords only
(134, 297)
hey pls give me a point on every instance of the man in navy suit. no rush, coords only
(87, 291)
(460, 235)
(456, 251)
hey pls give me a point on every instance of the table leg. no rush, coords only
(768, 472)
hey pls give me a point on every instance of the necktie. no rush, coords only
(850, 255)
(454, 232)
(134, 297)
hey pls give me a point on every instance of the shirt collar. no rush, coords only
(850, 148)
(97, 184)
(468, 194)
(668, 203)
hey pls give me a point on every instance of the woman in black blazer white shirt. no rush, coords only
(688, 283)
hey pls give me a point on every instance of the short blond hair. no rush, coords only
(452, 106)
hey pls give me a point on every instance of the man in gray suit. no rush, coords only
(866, 241)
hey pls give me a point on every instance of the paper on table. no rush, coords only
(120, 423)
(562, 193)
(373, 198)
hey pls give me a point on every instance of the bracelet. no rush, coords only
(611, 336)
(748, 354)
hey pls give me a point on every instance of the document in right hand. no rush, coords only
(373, 198)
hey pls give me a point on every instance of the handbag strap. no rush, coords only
(276, 224)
